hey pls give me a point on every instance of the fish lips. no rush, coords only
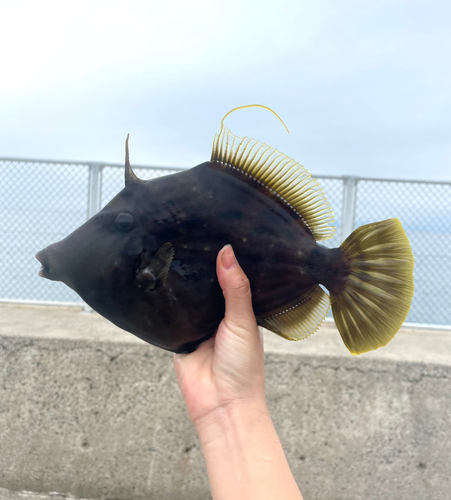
(49, 269)
(43, 260)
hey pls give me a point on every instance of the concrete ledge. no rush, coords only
(89, 411)
(29, 495)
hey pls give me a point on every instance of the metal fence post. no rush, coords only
(95, 185)
(94, 190)
(349, 205)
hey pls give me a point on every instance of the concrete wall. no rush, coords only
(89, 411)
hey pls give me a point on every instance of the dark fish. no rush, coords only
(147, 260)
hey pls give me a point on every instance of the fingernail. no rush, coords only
(228, 257)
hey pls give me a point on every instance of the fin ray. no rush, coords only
(281, 175)
(376, 298)
(302, 320)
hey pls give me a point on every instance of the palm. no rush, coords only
(220, 370)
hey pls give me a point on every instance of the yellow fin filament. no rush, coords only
(253, 106)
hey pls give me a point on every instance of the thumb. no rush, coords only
(237, 291)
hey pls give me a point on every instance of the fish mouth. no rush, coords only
(45, 267)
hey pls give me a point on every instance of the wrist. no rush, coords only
(243, 454)
(237, 418)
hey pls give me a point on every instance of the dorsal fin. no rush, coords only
(281, 175)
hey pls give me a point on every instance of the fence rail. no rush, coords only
(41, 201)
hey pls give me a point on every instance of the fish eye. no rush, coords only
(124, 222)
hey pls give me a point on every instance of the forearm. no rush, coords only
(244, 457)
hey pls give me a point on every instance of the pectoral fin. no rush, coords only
(157, 270)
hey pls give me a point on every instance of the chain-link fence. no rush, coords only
(43, 201)
(424, 209)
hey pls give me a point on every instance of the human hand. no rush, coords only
(227, 370)
(223, 383)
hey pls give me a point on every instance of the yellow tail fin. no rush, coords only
(375, 301)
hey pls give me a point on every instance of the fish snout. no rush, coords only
(50, 266)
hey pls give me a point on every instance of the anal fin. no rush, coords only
(302, 320)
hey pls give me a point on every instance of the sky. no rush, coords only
(363, 86)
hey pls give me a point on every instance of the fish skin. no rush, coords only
(198, 211)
